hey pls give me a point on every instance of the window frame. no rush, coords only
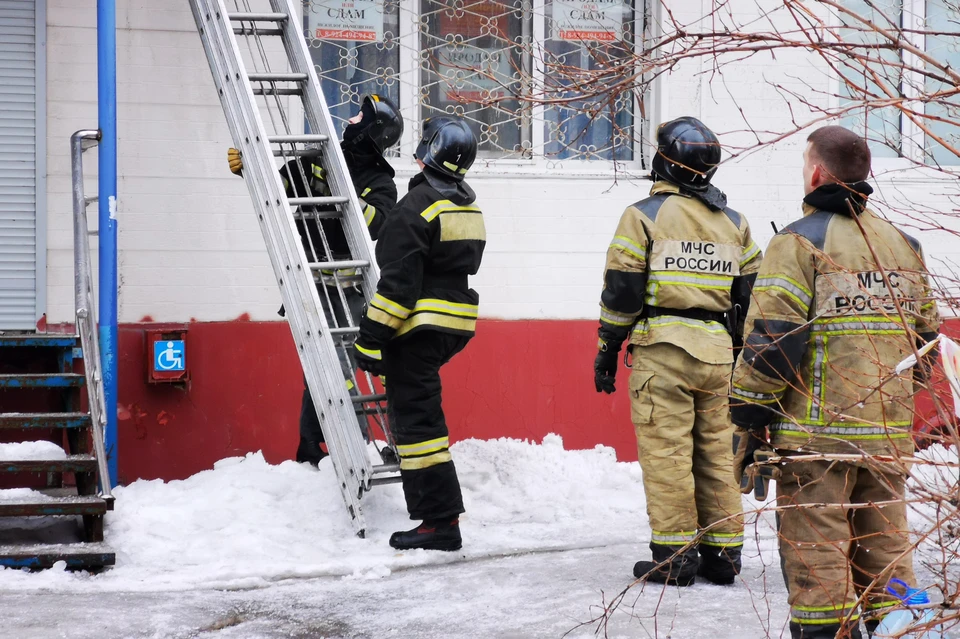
(912, 151)
(409, 77)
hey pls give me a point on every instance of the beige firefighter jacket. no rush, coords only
(672, 251)
(834, 310)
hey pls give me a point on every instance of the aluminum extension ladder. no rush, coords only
(266, 92)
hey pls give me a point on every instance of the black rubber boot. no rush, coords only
(719, 565)
(436, 534)
(310, 452)
(668, 566)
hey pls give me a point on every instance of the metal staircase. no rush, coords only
(267, 89)
(41, 401)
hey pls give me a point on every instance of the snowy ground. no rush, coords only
(253, 550)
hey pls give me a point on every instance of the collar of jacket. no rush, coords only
(662, 186)
(356, 160)
(711, 196)
(838, 198)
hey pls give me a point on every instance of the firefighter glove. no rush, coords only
(235, 160)
(750, 450)
(605, 366)
(368, 359)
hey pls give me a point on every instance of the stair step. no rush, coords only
(69, 464)
(77, 556)
(44, 420)
(41, 380)
(38, 341)
(277, 77)
(68, 505)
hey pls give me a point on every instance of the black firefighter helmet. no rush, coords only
(380, 126)
(447, 146)
(687, 153)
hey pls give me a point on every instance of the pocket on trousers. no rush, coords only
(641, 399)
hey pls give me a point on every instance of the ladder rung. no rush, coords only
(257, 17)
(313, 216)
(273, 91)
(294, 139)
(284, 153)
(317, 201)
(319, 266)
(348, 330)
(277, 77)
(367, 399)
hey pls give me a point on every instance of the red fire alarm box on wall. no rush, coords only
(166, 356)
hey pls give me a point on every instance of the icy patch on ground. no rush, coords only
(247, 523)
(22, 451)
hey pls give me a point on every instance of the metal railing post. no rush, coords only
(86, 318)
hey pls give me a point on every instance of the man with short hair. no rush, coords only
(842, 297)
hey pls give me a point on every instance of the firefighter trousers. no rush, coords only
(833, 554)
(334, 311)
(412, 369)
(680, 411)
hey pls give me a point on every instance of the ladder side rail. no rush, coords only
(86, 320)
(320, 121)
(287, 256)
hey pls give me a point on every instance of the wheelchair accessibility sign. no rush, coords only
(169, 356)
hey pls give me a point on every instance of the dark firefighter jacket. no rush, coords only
(430, 245)
(373, 179)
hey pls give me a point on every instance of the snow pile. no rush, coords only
(23, 451)
(247, 523)
(22, 496)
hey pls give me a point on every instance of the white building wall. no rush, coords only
(190, 247)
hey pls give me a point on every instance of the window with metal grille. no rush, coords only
(480, 59)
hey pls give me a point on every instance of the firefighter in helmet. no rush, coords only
(377, 127)
(424, 313)
(678, 275)
(842, 298)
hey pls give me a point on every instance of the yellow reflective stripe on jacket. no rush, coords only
(754, 397)
(443, 306)
(422, 448)
(628, 246)
(823, 615)
(616, 319)
(462, 324)
(445, 206)
(848, 430)
(318, 172)
(369, 213)
(366, 192)
(389, 306)
(749, 253)
(859, 325)
(791, 287)
(722, 540)
(419, 463)
(372, 354)
(442, 314)
(688, 278)
(669, 320)
(673, 538)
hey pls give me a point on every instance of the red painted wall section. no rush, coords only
(515, 379)
(520, 379)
